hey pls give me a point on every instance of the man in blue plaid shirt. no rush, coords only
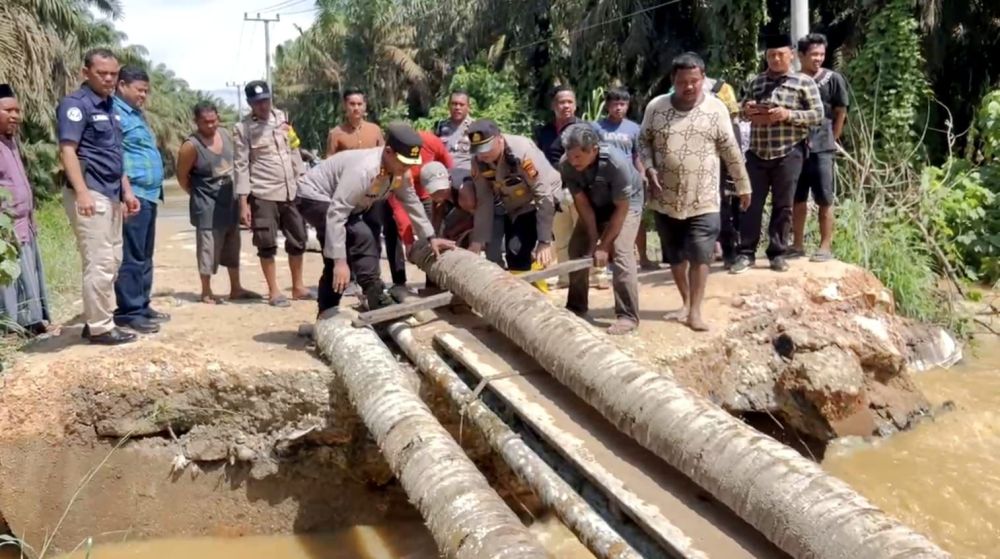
(144, 168)
(782, 105)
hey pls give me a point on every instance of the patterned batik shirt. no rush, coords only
(797, 93)
(685, 147)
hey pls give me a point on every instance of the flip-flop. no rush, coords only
(821, 256)
(214, 301)
(794, 253)
(309, 296)
(280, 302)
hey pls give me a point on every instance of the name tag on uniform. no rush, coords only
(99, 117)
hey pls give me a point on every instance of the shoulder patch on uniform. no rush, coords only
(74, 114)
(529, 168)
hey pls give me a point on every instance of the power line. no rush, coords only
(280, 5)
(593, 25)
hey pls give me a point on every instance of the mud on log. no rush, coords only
(554, 492)
(466, 517)
(789, 499)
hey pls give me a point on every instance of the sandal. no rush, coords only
(821, 256)
(622, 327)
(310, 295)
(281, 302)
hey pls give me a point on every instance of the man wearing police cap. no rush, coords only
(355, 182)
(513, 168)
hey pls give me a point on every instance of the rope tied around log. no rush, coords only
(483, 383)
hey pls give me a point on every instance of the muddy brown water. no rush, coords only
(396, 541)
(942, 477)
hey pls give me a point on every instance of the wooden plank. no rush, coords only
(636, 481)
(446, 298)
(394, 312)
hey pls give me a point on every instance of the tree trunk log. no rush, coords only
(466, 517)
(789, 499)
(554, 492)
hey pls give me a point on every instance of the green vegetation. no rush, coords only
(60, 258)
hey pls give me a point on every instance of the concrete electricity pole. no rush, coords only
(239, 97)
(800, 19)
(267, 43)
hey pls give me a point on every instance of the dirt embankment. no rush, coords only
(822, 351)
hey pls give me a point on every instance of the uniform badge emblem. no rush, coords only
(529, 168)
(414, 151)
(258, 89)
(476, 137)
(74, 114)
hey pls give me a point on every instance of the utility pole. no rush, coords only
(267, 43)
(800, 19)
(239, 97)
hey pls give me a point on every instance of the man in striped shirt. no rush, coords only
(782, 106)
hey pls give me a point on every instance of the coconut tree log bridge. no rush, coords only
(446, 298)
(554, 492)
(466, 517)
(789, 499)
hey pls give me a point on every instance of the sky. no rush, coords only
(206, 42)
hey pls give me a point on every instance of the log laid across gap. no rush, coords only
(438, 300)
(466, 517)
(660, 501)
(790, 500)
(553, 491)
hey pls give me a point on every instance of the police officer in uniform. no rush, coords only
(608, 195)
(513, 168)
(90, 149)
(357, 182)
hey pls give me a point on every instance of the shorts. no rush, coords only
(818, 176)
(267, 217)
(217, 247)
(689, 240)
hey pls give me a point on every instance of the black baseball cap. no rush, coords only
(405, 141)
(778, 41)
(481, 135)
(257, 90)
(6, 91)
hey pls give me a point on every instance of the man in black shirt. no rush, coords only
(818, 170)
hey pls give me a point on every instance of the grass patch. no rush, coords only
(57, 244)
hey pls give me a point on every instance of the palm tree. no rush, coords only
(40, 44)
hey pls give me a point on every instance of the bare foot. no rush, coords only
(244, 295)
(695, 323)
(680, 315)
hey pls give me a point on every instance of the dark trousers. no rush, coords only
(393, 243)
(364, 250)
(135, 277)
(729, 233)
(779, 178)
(522, 235)
(494, 248)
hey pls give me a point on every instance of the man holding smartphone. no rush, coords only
(782, 106)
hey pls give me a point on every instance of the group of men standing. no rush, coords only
(577, 189)
(114, 185)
